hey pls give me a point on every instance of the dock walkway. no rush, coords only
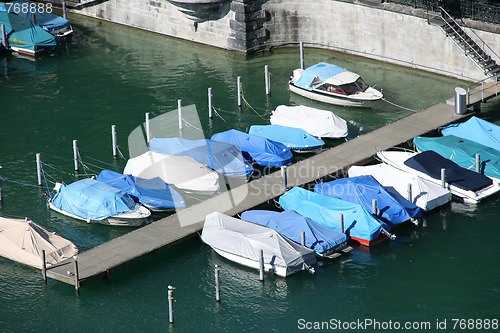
(105, 258)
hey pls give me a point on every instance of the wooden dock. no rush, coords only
(105, 258)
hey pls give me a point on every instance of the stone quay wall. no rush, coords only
(369, 28)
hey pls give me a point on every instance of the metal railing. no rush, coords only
(484, 86)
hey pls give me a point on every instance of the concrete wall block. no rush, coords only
(246, 8)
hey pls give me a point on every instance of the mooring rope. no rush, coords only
(399, 106)
(248, 104)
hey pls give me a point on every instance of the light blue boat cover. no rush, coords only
(463, 152)
(25, 34)
(317, 74)
(93, 200)
(291, 224)
(223, 157)
(263, 151)
(362, 190)
(47, 21)
(153, 192)
(477, 130)
(325, 210)
(293, 138)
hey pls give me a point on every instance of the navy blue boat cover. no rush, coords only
(431, 163)
(362, 190)
(263, 151)
(223, 157)
(152, 192)
(291, 224)
(293, 138)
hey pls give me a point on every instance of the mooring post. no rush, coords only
(179, 110)
(113, 141)
(478, 163)
(443, 178)
(261, 266)
(374, 206)
(75, 155)
(408, 192)
(283, 177)
(238, 83)
(5, 41)
(301, 55)
(210, 115)
(267, 80)
(171, 304)
(44, 268)
(77, 276)
(33, 18)
(341, 223)
(148, 128)
(39, 168)
(64, 9)
(303, 238)
(217, 286)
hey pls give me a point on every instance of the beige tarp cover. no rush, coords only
(23, 241)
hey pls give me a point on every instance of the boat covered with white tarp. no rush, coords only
(241, 241)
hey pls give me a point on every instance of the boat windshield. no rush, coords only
(347, 89)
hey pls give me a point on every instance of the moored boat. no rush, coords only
(466, 184)
(241, 242)
(363, 190)
(97, 202)
(24, 241)
(320, 123)
(334, 85)
(358, 223)
(294, 138)
(423, 193)
(477, 130)
(326, 242)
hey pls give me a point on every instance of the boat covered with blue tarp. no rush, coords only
(315, 75)
(92, 200)
(153, 193)
(293, 138)
(477, 130)
(363, 189)
(223, 157)
(48, 21)
(318, 237)
(431, 163)
(263, 151)
(359, 224)
(25, 36)
(463, 152)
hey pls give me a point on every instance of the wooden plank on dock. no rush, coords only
(105, 258)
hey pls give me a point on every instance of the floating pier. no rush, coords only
(105, 258)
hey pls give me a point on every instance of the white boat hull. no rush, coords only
(133, 219)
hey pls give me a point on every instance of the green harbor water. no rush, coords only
(442, 276)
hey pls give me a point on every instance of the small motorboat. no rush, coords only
(97, 202)
(466, 184)
(363, 190)
(257, 149)
(320, 123)
(326, 242)
(241, 241)
(463, 152)
(334, 85)
(153, 193)
(24, 241)
(423, 193)
(358, 223)
(294, 138)
(477, 130)
(183, 172)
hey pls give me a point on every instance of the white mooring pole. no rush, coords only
(238, 83)
(261, 266)
(179, 110)
(301, 55)
(39, 168)
(210, 115)
(217, 286)
(267, 80)
(341, 223)
(171, 304)
(75, 155)
(148, 128)
(114, 141)
(443, 178)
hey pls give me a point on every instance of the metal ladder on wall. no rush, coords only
(472, 50)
